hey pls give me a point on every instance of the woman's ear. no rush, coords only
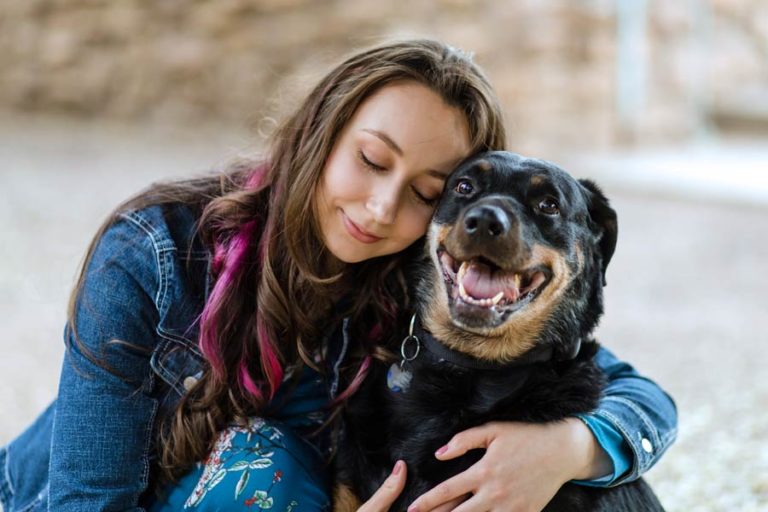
(604, 222)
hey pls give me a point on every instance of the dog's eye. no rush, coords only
(548, 206)
(464, 187)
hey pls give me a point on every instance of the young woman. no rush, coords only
(214, 319)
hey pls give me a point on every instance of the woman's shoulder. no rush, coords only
(169, 226)
(155, 249)
(157, 243)
(140, 286)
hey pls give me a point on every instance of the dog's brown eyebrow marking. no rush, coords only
(484, 165)
(537, 179)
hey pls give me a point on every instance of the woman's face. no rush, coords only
(386, 171)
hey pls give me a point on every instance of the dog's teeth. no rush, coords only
(462, 270)
(462, 291)
(518, 281)
(496, 299)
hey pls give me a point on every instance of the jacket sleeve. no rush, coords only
(635, 422)
(104, 417)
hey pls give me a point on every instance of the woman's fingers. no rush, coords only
(451, 505)
(453, 489)
(386, 495)
(473, 504)
(461, 443)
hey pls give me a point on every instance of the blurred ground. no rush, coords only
(685, 300)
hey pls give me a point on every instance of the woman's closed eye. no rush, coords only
(429, 199)
(369, 163)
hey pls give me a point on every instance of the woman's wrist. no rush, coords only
(589, 460)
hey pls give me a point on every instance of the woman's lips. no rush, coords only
(357, 232)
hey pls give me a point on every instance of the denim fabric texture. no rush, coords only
(145, 287)
(644, 415)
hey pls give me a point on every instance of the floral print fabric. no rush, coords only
(274, 463)
(260, 466)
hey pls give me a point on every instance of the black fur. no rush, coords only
(445, 398)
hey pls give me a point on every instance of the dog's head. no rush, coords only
(515, 256)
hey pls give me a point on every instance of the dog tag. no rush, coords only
(398, 379)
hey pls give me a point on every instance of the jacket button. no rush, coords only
(645, 443)
(189, 382)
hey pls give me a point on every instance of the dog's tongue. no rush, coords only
(481, 282)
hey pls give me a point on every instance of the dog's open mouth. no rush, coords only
(479, 282)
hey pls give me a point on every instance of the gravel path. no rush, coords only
(685, 299)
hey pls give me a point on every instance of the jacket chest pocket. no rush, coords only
(178, 365)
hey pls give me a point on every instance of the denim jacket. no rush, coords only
(146, 284)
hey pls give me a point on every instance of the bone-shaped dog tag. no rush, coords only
(398, 379)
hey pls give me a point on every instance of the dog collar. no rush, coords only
(441, 353)
(399, 377)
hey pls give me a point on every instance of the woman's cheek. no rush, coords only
(342, 170)
(420, 222)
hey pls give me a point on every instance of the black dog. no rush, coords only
(508, 290)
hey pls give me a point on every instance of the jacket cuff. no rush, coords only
(639, 434)
(613, 444)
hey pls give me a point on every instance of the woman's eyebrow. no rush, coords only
(386, 139)
(437, 174)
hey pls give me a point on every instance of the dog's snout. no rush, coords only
(490, 229)
(486, 220)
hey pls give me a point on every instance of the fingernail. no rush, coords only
(413, 508)
(440, 451)
(398, 467)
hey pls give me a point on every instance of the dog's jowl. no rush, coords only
(507, 289)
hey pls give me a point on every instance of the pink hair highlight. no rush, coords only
(356, 382)
(376, 332)
(228, 262)
(374, 336)
(270, 363)
(231, 260)
(245, 381)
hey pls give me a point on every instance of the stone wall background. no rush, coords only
(553, 62)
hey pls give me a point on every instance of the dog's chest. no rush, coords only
(441, 401)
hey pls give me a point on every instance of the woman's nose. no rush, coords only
(383, 206)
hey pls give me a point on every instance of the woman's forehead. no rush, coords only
(414, 122)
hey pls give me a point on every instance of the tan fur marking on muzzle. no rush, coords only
(437, 235)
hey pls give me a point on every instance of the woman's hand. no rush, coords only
(386, 495)
(522, 469)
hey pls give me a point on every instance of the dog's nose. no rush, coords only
(486, 220)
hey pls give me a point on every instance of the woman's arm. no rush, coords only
(635, 422)
(525, 464)
(103, 422)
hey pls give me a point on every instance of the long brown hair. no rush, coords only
(275, 283)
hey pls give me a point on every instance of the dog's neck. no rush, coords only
(441, 354)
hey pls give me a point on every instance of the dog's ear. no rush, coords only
(605, 223)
